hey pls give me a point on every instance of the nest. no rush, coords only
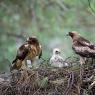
(41, 81)
(46, 81)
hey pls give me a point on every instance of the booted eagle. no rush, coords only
(28, 51)
(82, 46)
(56, 60)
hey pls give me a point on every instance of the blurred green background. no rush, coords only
(49, 20)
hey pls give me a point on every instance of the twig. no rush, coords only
(70, 83)
(89, 2)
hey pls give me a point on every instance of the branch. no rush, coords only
(89, 2)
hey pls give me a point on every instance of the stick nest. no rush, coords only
(45, 81)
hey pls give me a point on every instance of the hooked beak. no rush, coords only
(27, 39)
(67, 34)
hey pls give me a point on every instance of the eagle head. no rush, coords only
(32, 40)
(73, 34)
(56, 51)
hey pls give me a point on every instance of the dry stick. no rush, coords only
(81, 73)
(70, 83)
(37, 91)
(25, 79)
(7, 89)
(81, 76)
(78, 88)
(67, 85)
(67, 59)
(45, 60)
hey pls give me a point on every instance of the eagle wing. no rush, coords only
(60, 59)
(57, 59)
(85, 42)
(21, 53)
(84, 48)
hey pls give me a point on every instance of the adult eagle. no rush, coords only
(28, 51)
(82, 46)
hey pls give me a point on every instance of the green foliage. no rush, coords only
(49, 20)
(43, 83)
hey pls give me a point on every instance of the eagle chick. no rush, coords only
(56, 60)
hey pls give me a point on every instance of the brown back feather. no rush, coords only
(83, 47)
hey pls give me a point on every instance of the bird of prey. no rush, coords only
(28, 51)
(82, 46)
(56, 60)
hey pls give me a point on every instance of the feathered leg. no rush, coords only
(29, 65)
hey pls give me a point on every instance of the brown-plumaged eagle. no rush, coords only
(28, 51)
(82, 46)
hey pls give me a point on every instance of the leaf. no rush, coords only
(43, 83)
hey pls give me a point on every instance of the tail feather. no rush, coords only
(16, 64)
(14, 60)
(13, 65)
